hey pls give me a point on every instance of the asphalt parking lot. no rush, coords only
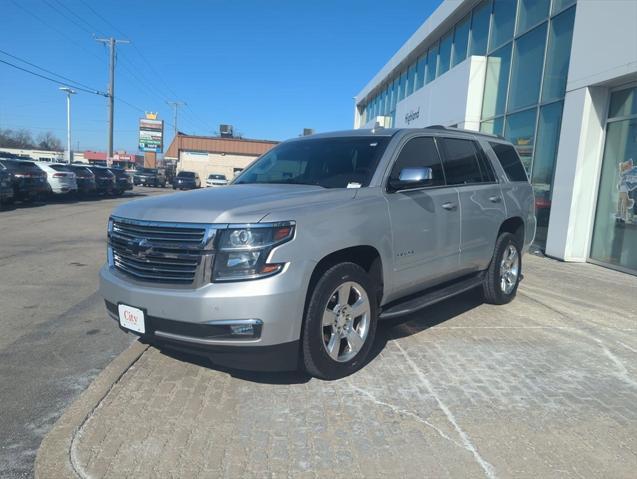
(543, 387)
(54, 337)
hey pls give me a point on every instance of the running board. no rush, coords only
(430, 296)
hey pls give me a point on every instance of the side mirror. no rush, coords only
(412, 178)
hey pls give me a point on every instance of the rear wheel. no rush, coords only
(503, 276)
(340, 322)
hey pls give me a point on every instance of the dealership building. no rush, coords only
(221, 155)
(557, 78)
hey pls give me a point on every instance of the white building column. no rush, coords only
(577, 171)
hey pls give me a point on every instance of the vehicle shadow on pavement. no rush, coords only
(387, 330)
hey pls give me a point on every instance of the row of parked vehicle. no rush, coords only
(184, 180)
(25, 180)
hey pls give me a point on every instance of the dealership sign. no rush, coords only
(151, 135)
(412, 115)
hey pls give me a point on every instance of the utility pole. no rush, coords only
(69, 152)
(112, 43)
(175, 104)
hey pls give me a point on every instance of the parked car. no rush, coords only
(296, 261)
(84, 178)
(186, 180)
(216, 180)
(123, 181)
(60, 178)
(28, 181)
(150, 177)
(104, 180)
(6, 188)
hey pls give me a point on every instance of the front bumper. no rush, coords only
(186, 318)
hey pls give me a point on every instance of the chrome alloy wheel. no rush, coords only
(509, 269)
(346, 321)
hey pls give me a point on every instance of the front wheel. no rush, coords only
(503, 276)
(340, 322)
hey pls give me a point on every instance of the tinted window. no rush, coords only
(186, 174)
(60, 168)
(461, 162)
(510, 161)
(416, 153)
(488, 175)
(326, 162)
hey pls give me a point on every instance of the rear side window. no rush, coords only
(60, 168)
(461, 162)
(420, 152)
(510, 161)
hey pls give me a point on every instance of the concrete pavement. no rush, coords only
(543, 387)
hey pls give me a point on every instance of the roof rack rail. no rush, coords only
(436, 127)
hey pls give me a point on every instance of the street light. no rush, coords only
(69, 153)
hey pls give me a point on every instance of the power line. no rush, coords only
(68, 80)
(79, 17)
(95, 92)
(150, 66)
(59, 32)
(74, 22)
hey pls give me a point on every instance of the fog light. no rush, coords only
(242, 330)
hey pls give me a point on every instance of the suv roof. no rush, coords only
(385, 132)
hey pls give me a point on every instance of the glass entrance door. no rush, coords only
(615, 232)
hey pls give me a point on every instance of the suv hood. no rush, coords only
(231, 204)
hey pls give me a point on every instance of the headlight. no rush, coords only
(243, 251)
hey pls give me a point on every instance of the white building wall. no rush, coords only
(206, 163)
(603, 55)
(454, 98)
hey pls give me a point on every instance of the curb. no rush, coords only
(54, 454)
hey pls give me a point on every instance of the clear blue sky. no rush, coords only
(270, 68)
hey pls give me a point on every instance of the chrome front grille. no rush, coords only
(177, 253)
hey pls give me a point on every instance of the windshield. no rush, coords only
(60, 167)
(151, 171)
(326, 162)
(186, 174)
(216, 177)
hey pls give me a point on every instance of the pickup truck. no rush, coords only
(293, 264)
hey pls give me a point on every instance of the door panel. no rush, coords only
(483, 212)
(481, 202)
(425, 221)
(426, 236)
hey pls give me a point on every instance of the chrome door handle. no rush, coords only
(495, 199)
(449, 206)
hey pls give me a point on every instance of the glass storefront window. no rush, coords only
(526, 72)
(531, 13)
(431, 63)
(559, 5)
(460, 42)
(394, 97)
(493, 127)
(548, 135)
(623, 103)
(615, 232)
(479, 34)
(411, 79)
(420, 73)
(444, 53)
(519, 130)
(502, 22)
(558, 55)
(402, 84)
(497, 80)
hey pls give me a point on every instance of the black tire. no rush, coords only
(316, 360)
(491, 287)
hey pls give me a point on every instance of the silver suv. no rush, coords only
(294, 263)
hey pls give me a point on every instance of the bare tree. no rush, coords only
(22, 139)
(48, 141)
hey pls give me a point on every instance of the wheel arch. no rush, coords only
(515, 226)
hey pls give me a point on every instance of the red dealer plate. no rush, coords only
(131, 318)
